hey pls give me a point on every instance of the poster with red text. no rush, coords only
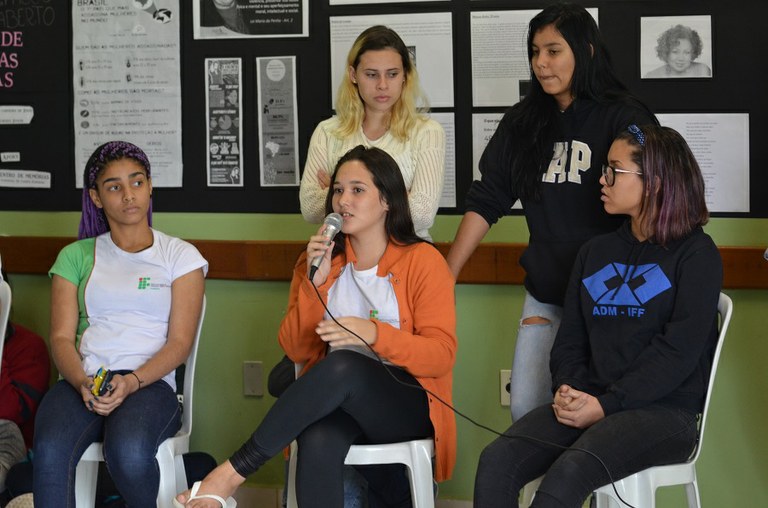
(33, 36)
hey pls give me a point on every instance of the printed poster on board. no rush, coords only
(236, 19)
(127, 82)
(224, 122)
(278, 121)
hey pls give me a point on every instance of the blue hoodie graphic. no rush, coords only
(620, 284)
(640, 321)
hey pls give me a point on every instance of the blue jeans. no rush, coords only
(626, 442)
(131, 434)
(531, 382)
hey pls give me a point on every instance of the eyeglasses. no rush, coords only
(610, 174)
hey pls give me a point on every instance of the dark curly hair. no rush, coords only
(670, 39)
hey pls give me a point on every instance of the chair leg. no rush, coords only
(291, 483)
(422, 492)
(529, 491)
(168, 487)
(86, 475)
(636, 490)
(605, 501)
(181, 473)
(693, 495)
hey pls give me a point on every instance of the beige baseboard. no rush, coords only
(264, 497)
(451, 503)
(258, 497)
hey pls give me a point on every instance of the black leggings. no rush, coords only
(346, 398)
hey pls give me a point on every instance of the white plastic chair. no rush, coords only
(639, 489)
(415, 455)
(5, 310)
(529, 491)
(170, 460)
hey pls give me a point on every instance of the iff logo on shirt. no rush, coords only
(146, 283)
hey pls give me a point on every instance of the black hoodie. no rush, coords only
(570, 210)
(640, 321)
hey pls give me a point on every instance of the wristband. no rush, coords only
(137, 378)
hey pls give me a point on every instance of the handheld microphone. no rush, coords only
(333, 223)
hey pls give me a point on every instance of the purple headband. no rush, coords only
(93, 221)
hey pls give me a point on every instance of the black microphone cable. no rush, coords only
(469, 419)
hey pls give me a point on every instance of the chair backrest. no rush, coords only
(5, 311)
(189, 376)
(5, 308)
(724, 309)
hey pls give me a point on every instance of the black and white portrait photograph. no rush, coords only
(676, 47)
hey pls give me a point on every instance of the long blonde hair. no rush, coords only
(406, 112)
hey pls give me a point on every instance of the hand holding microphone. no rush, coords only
(332, 225)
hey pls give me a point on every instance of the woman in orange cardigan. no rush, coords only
(392, 297)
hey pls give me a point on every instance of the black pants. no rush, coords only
(346, 398)
(626, 442)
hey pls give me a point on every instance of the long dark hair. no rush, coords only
(388, 179)
(530, 125)
(673, 187)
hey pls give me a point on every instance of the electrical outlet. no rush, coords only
(253, 383)
(504, 376)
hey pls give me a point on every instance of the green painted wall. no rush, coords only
(243, 317)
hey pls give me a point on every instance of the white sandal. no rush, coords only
(229, 503)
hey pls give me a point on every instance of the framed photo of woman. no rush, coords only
(676, 47)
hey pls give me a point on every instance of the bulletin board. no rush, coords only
(41, 77)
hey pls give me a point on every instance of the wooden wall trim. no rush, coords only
(492, 263)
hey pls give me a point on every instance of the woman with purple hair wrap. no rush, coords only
(127, 298)
(93, 221)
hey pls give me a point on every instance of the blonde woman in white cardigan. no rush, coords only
(379, 104)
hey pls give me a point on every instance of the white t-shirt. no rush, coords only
(365, 295)
(125, 297)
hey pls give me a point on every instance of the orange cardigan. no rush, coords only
(425, 345)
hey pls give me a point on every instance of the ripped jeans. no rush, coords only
(531, 383)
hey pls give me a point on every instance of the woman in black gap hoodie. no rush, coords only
(547, 153)
(631, 360)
